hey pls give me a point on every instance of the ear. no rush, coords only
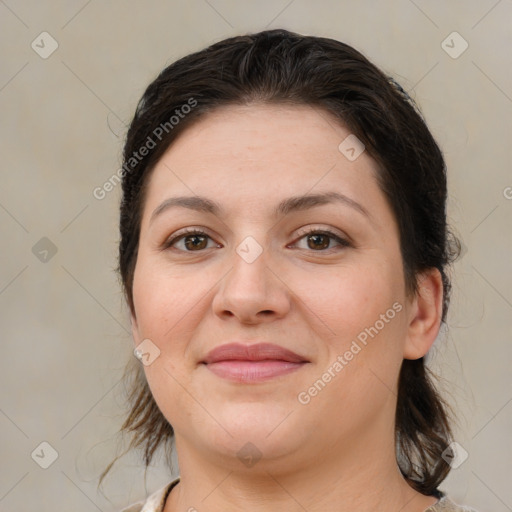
(424, 315)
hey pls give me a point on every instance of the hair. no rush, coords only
(282, 67)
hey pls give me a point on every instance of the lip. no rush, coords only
(252, 363)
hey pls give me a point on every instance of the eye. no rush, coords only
(194, 240)
(320, 239)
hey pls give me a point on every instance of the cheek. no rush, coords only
(365, 315)
(361, 357)
(164, 302)
(165, 310)
(353, 299)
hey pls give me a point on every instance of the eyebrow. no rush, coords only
(291, 204)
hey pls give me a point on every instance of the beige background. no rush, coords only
(65, 337)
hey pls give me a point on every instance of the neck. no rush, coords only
(365, 478)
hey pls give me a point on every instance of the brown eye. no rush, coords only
(319, 241)
(193, 241)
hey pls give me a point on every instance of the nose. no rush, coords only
(252, 292)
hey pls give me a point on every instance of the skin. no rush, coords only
(313, 296)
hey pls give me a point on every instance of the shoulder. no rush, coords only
(445, 504)
(153, 503)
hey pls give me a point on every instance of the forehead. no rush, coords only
(255, 155)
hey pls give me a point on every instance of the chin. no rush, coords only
(268, 431)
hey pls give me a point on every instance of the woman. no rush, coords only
(284, 253)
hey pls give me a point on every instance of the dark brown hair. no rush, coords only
(276, 67)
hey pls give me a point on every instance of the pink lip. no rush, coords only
(252, 363)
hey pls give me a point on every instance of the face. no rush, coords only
(321, 278)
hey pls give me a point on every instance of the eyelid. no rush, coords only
(181, 233)
(342, 239)
(313, 228)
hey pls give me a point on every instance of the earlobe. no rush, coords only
(425, 317)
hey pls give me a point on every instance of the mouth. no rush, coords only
(252, 363)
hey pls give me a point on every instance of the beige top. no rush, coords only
(156, 502)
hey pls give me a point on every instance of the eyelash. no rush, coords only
(310, 231)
